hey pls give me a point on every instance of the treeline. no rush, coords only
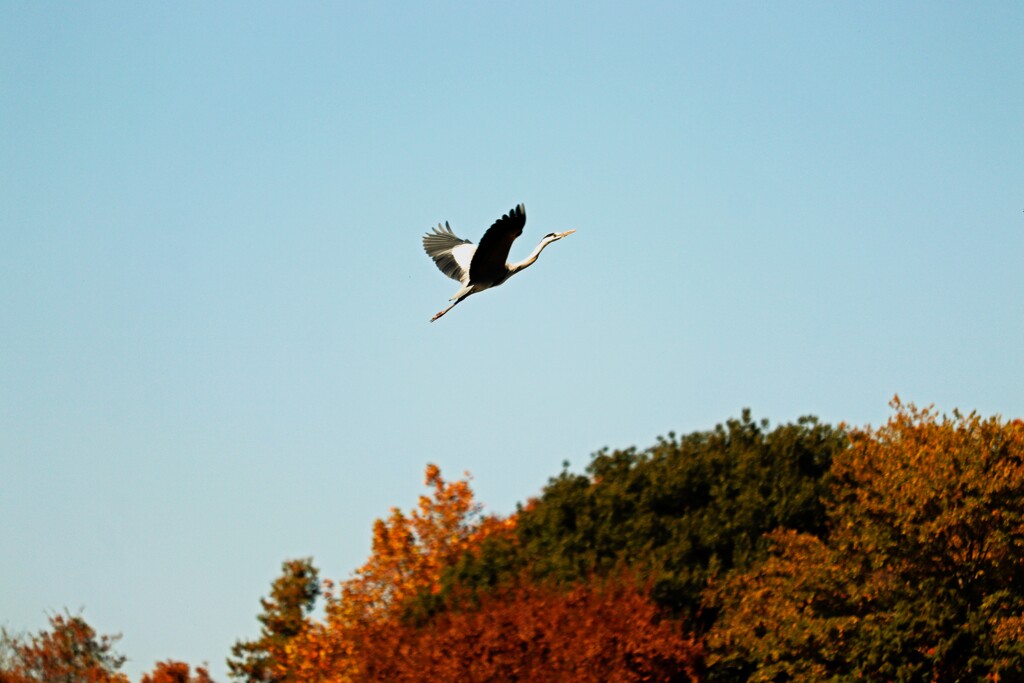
(72, 652)
(803, 552)
(800, 552)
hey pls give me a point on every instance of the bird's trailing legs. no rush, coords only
(440, 313)
(459, 296)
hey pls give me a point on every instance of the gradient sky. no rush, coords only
(214, 347)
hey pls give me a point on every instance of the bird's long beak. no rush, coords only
(560, 235)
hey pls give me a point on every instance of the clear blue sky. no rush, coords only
(214, 347)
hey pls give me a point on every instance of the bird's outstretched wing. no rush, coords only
(488, 263)
(452, 254)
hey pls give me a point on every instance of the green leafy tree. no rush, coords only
(285, 616)
(919, 578)
(680, 511)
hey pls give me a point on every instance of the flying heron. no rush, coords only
(480, 267)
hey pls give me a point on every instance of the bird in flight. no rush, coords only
(482, 266)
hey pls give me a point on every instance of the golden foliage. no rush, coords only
(919, 576)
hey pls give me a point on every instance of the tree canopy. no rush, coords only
(69, 652)
(919, 576)
(680, 511)
(801, 552)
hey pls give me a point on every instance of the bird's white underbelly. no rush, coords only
(463, 255)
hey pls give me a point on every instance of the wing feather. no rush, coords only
(451, 253)
(489, 261)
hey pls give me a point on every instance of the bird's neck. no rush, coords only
(528, 261)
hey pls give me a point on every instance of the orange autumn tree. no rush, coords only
(920, 576)
(70, 652)
(409, 554)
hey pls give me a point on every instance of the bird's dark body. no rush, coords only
(489, 266)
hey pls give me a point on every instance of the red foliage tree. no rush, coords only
(607, 631)
(176, 672)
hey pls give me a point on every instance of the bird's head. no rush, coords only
(555, 236)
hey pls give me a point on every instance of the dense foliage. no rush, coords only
(596, 631)
(679, 512)
(803, 552)
(919, 578)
